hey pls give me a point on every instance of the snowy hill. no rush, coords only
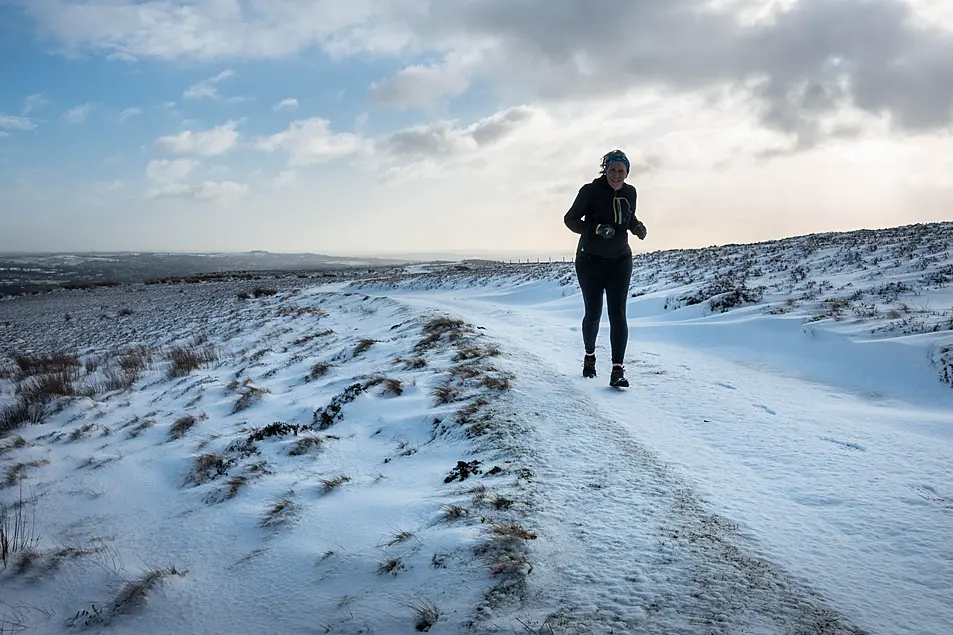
(415, 449)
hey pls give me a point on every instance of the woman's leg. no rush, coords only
(617, 283)
(589, 273)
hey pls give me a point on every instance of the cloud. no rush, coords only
(129, 112)
(77, 114)
(447, 139)
(218, 29)
(33, 102)
(11, 122)
(418, 85)
(122, 56)
(103, 187)
(204, 191)
(310, 141)
(168, 179)
(216, 141)
(797, 60)
(285, 178)
(290, 103)
(208, 88)
(166, 172)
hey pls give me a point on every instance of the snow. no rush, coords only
(781, 466)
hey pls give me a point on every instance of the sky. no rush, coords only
(802, 485)
(399, 126)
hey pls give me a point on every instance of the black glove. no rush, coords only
(606, 231)
(640, 230)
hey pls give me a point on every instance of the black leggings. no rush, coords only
(610, 276)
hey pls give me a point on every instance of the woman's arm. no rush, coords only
(573, 217)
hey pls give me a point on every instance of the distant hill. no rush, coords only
(31, 273)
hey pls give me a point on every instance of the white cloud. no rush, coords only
(290, 103)
(204, 191)
(447, 139)
(129, 112)
(216, 141)
(77, 114)
(164, 171)
(285, 178)
(417, 85)
(218, 29)
(310, 141)
(11, 122)
(122, 56)
(4, 134)
(208, 88)
(107, 186)
(169, 181)
(545, 51)
(32, 102)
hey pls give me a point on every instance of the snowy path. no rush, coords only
(721, 494)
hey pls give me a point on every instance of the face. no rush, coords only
(616, 174)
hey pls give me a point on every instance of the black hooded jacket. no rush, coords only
(597, 203)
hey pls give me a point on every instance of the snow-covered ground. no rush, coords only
(416, 449)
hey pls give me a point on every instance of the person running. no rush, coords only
(603, 214)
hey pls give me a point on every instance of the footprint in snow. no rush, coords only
(723, 385)
(765, 408)
(931, 495)
(847, 445)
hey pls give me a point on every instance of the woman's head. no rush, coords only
(615, 165)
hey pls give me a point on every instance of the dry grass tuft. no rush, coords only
(317, 371)
(135, 592)
(512, 531)
(19, 413)
(400, 537)
(249, 395)
(454, 512)
(436, 328)
(311, 336)
(17, 472)
(80, 432)
(18, 528)
(132, 596)
(140, 427)
(306, 444)
(31, 365)
(11, 443)
(426, 614)
(181, 426)
(280, 514)
(331, 484)
(502, 502)
(363, 346)
(493, 382)
(391, 565)
(135, 360)
(207, 467)
(46, 387)
(414, 363)
(235, 484)
(392, 386)
(187, 359)
(446, 394)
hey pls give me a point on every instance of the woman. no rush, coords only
(603, 214)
